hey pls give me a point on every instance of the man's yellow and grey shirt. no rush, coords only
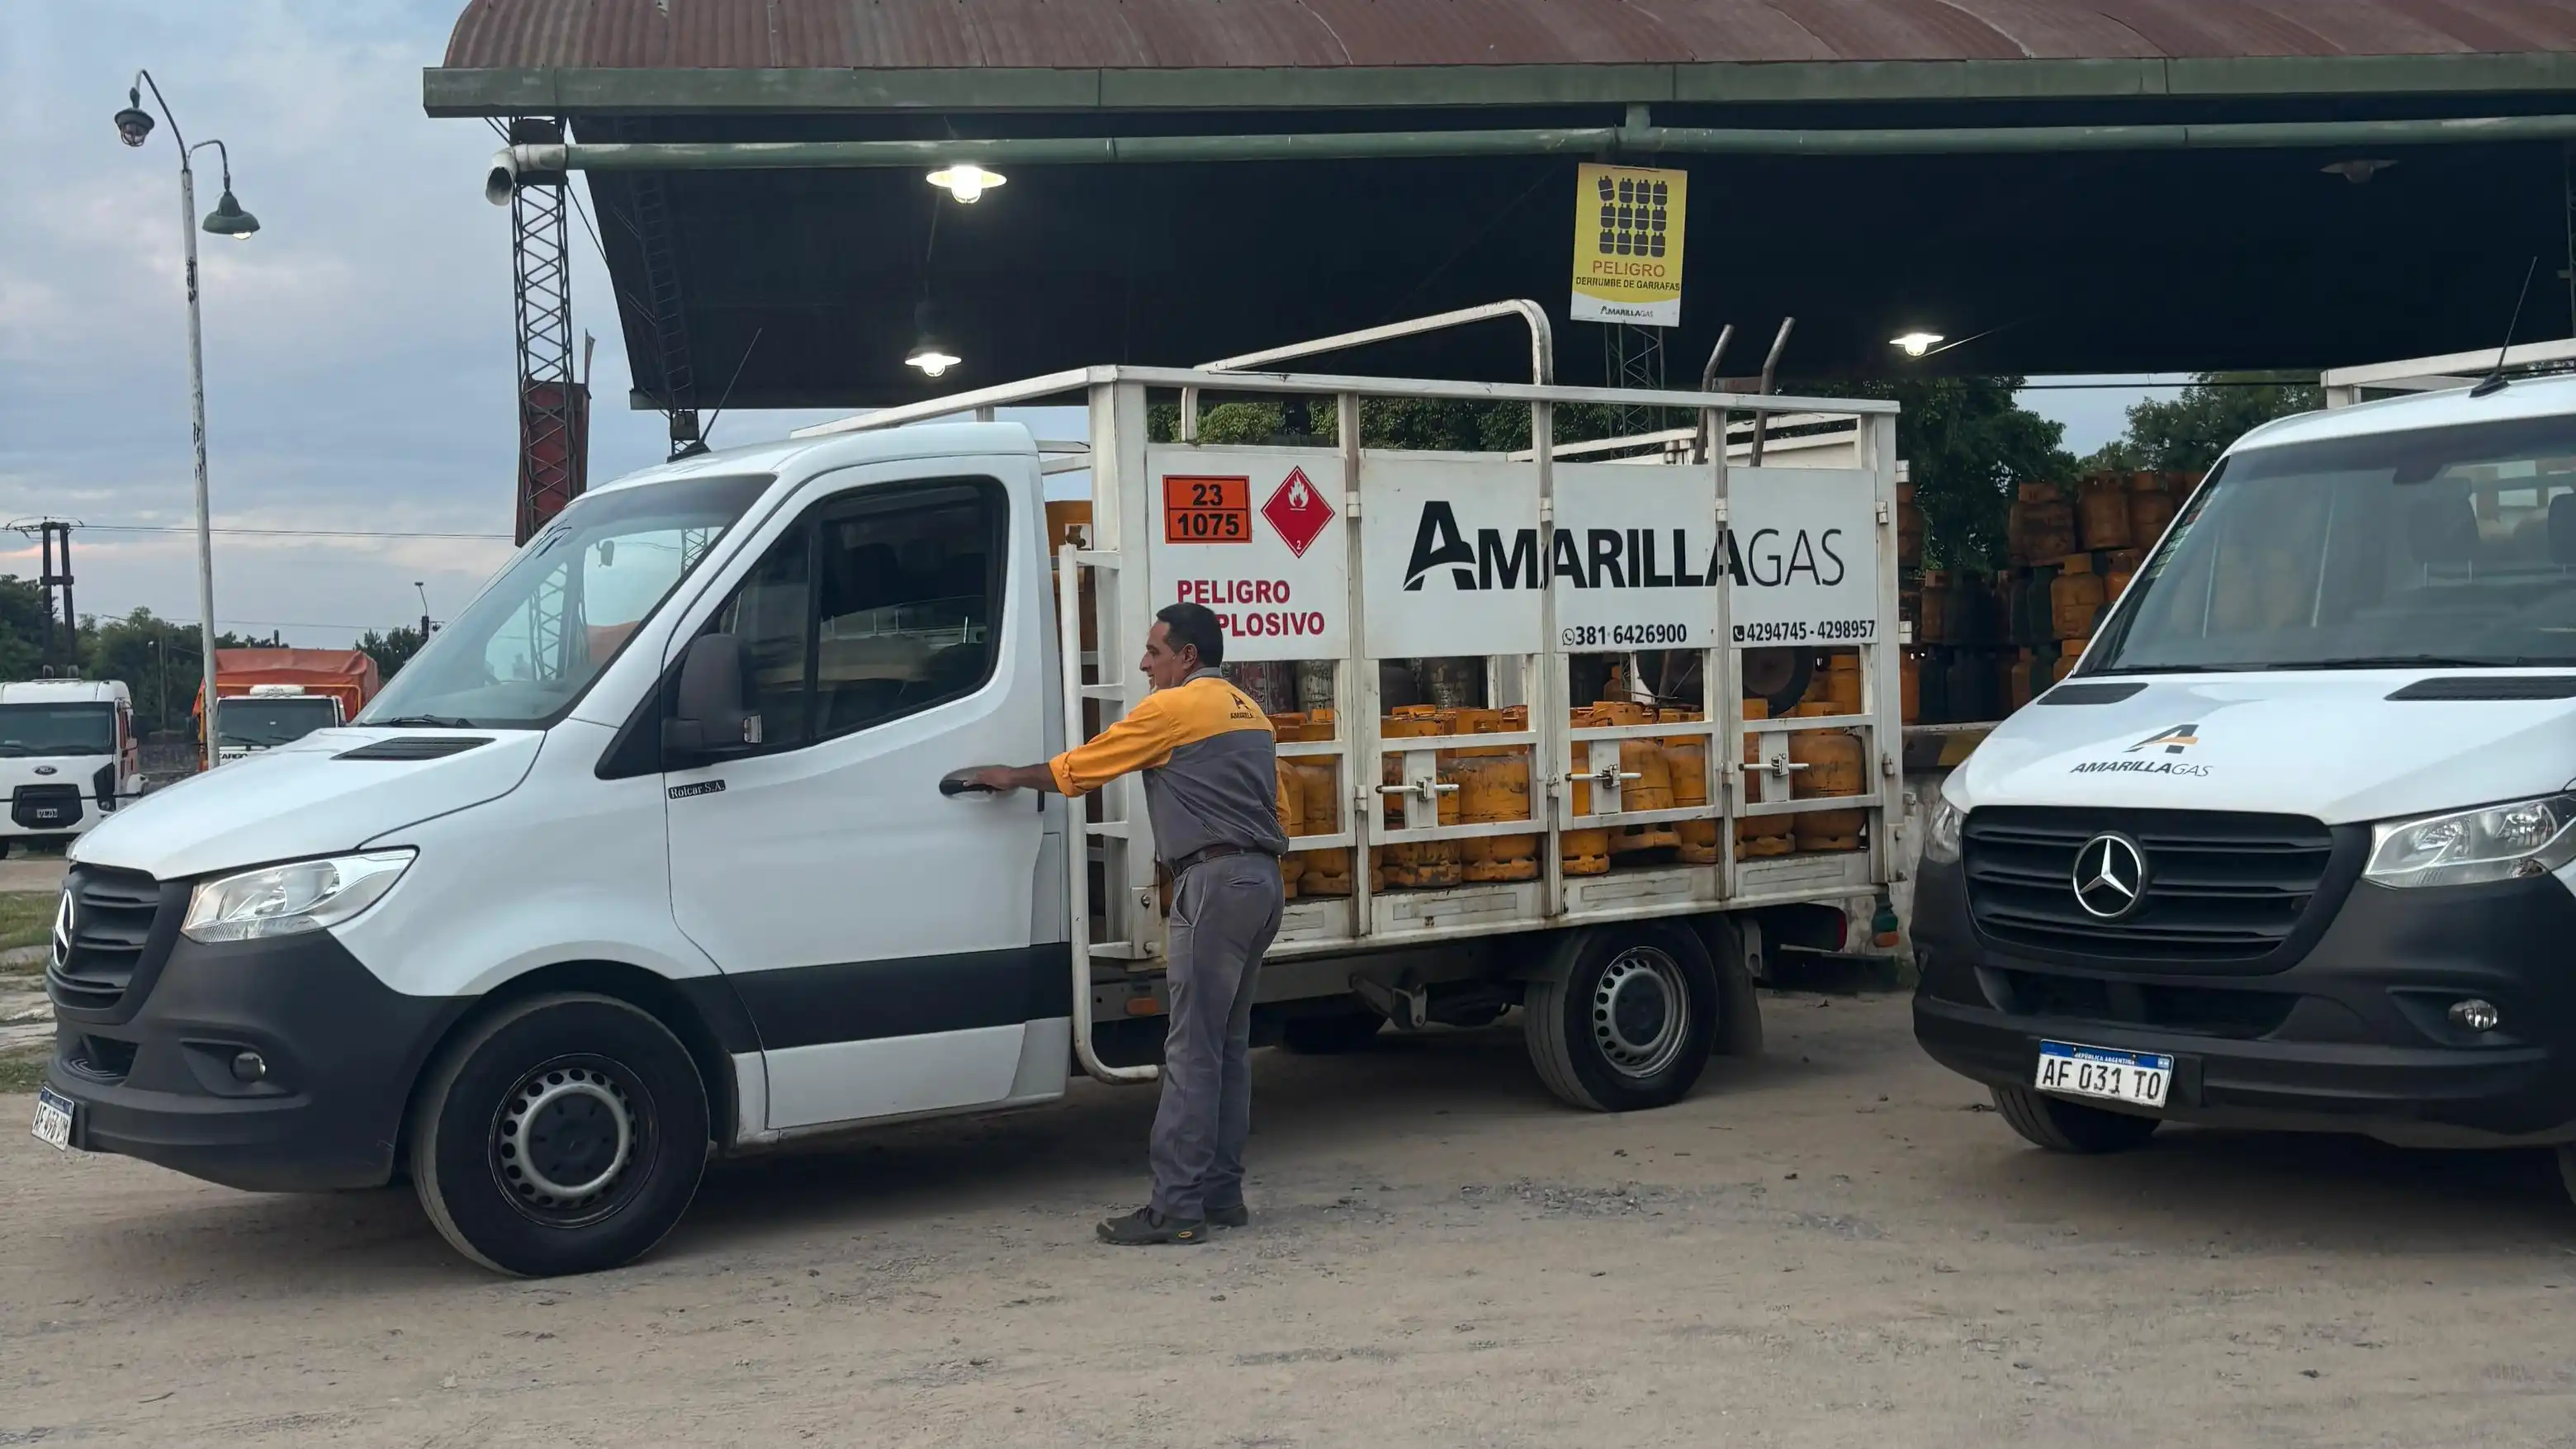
(1211, 772)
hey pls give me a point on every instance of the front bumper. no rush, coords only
(2351, 1037)
(153, 1079)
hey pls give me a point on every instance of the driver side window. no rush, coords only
(880, 604)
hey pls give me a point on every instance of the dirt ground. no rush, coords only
(1830, 1246)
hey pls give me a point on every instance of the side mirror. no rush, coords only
(713, 715)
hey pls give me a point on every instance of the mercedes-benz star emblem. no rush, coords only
(63, 931)
(2110, 876)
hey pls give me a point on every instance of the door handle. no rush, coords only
(955, 784)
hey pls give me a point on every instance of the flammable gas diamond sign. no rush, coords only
(1284, 592)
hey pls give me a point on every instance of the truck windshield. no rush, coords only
(57, 729)
(532, 641)
(268, 723)
(2428, 548)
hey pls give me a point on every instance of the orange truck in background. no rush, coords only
(268, 697)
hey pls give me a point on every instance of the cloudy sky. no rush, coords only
(358, 349)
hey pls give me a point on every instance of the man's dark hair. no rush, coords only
(1194, 625)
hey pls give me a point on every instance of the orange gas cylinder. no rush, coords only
(1909, 527)
(1291, 809)
(1842, 682)
(1584, 851)
(2026, 671)
(2075, 598)
(1686, 758)
(1317, 782)
(2102, 511)
(1934, 624)
(1757, 835)
(1910, 679)
(2040, 525)
(1418, 865)
(1493, 786)
(1834, 768)
(1652, 789)
(2069, 652)
(2124, 566)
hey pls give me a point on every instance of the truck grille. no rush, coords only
(46, 807)
(2224, 888)
(122, 923)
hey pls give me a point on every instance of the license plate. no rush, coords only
(54, 1118)
(2083, 1071)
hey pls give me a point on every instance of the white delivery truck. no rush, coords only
(649, 850)
(268, 716)
(68, 757)
(2295, 845)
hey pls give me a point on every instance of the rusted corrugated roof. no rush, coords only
(1196, 34)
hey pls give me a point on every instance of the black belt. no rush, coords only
(1215, 852)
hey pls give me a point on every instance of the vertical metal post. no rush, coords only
(197, 424)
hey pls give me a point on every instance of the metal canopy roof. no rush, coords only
(1189, 34)
(2065, 262)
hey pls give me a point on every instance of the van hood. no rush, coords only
(2329, 745)
(300, 800)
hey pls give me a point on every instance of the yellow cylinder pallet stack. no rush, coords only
(1585, 851)
(2102, 511)
(1312, 786)
(1416, 865)
(1494, 786)
(1833, 768)
(1686, 761)
(2153, 500)
(1652, 789)
(1760, 835)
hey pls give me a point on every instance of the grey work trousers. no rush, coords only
(1224, 912)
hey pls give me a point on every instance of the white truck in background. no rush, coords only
(652, 851)
(68, 757)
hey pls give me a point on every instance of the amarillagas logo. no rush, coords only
(1613, 558)
(2169, 742)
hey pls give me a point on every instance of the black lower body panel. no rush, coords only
(341, 1051)
(2355, 1036)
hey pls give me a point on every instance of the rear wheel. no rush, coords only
(1333, 1035)
(563, 1134)
(1624, 1019)
(2062, 1126)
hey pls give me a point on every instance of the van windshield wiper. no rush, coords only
(2403, 661)
(426, 721)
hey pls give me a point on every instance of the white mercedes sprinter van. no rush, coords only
(2295, 844)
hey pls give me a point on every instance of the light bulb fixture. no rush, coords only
(967, 182)
(2359, 170)
(228, 218)
(929, 352)
(134, 124)
(1915, 344)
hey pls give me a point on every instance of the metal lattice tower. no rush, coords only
(1633, 357)
(553, 408)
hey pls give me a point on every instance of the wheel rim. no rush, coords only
(1640, 1012)
(569, 1142)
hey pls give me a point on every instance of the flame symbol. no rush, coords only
(1297, 494)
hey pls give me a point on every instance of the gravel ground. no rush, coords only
(1833, 1245)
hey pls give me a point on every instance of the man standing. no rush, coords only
(1211, 788)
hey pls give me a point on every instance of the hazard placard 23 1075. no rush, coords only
(1206, 510)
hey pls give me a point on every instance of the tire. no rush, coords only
(621, 1119)
(2062, 1126)
(1327, 1036)
(1778, 676)
(1623, 1018)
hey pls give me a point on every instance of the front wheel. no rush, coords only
(2062, 1126)
(563, 1134)
(1623, 1020)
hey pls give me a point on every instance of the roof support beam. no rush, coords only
(513, 161)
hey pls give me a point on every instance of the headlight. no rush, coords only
(282, 900)
(1941, 836)
(2468, 847)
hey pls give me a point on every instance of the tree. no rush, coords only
(2187, 434)
(391, 648)
(157, 659)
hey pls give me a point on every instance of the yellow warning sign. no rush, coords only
(1628, 245)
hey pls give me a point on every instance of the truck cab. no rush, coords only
(2294, 845)
(68, 757)
(268, 716)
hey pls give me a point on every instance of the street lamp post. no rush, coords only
(134, 127)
